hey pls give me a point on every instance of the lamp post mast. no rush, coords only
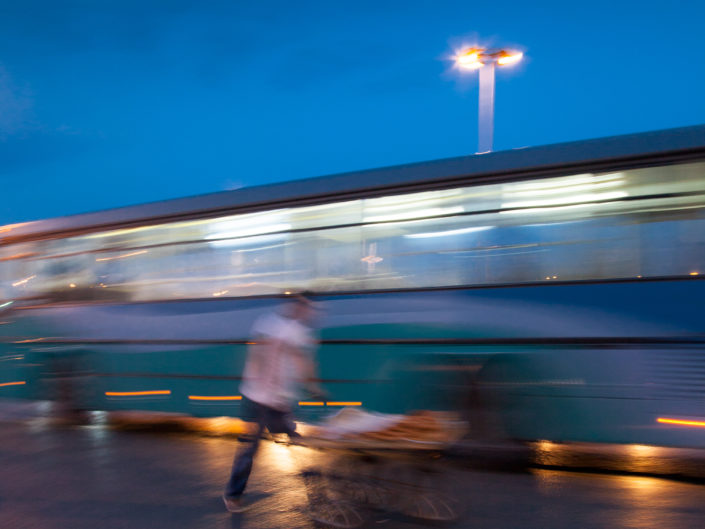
(485, 61)
(485, 122)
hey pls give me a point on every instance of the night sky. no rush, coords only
(110, 103)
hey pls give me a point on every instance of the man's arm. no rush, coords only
(308, 368)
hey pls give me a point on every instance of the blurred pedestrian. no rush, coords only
(279, 362)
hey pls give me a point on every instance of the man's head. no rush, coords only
(301, 307)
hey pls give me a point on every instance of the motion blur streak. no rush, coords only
(223, 397)
(136, 393)
(680, 422)
(131, 254)
(343, 403)
(13, 383)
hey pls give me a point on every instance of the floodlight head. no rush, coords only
(469, 58)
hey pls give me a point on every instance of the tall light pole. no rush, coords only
(485, 61)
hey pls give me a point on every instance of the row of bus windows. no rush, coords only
(569, 228)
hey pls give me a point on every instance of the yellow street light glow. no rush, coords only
(471, 65)
(469, 59)
(666, 420)
(509, 58)
(474, 58)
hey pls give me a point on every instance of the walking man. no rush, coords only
(280, 360)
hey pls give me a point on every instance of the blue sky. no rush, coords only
(109, 103)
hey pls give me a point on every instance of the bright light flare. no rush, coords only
(474, 58)
(506, 58)
(469, 59)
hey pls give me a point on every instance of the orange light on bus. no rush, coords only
(137, 393)
(215, 397)
(303, 403)
(343, 403)
(680, 422)
(13, 383)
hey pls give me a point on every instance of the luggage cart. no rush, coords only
(368, 479)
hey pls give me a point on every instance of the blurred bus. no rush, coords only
(554, 291)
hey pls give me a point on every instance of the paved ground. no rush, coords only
(98, 477)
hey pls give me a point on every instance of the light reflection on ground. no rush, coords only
(633, 458)
(97, 476)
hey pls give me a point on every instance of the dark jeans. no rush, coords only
(275, 421)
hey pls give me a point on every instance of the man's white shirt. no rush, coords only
(272, 379)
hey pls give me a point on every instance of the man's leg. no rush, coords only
(291, 426)
(242, 465)
(281, 422)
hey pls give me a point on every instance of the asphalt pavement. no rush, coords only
(97, 476)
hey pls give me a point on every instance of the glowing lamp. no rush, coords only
(469, 59)
(506, 57)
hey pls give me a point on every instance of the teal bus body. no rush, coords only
(557, 294)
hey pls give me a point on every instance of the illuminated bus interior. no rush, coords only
(636, 223)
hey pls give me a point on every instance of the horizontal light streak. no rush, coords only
(330, 403)
(413, 198)
(23, 281)
(20, 383)
(552, 209)
(563, 182)
(114, 233)
(569, 200)
(236, 231)
(137, 393)
(245, 240)
(416, 214)
(564, 189)
(215, 397)
(18, 256)
(680, 422)
(131, 254)
(447, 233)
